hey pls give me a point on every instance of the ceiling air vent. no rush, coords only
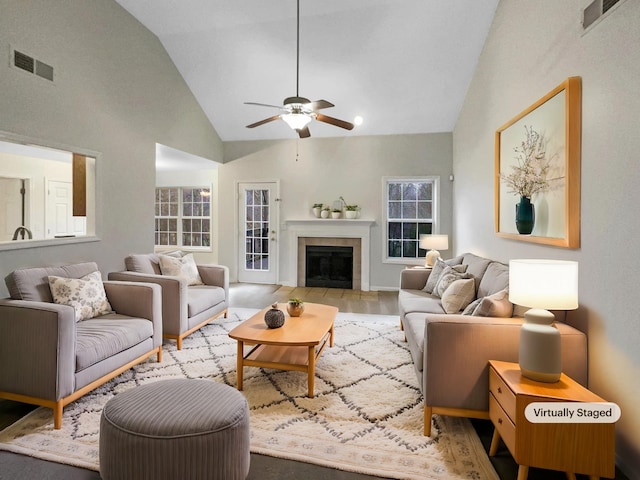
(29, 64)
(595, 10)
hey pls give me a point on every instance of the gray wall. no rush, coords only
(116, 92)
(325, 169)
(532, 47)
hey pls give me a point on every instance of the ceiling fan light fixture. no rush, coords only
(296, 121)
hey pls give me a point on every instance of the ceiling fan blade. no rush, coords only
(319, 105)
(334, 121)
(263, 105)
(262, 122)
(304, 132)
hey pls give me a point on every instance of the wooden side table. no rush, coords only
(585, 448)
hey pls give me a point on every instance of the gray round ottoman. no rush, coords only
(175, 429)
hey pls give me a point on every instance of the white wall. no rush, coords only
(323, 169)
(116, 92)
(532, 47)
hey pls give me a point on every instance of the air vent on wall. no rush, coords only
(29, 64)
(595, 10)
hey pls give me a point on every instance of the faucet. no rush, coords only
(21, 231)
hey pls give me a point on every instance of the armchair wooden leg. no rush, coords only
(226, 312)
(428, 413)
(160, 354)
(179, 342)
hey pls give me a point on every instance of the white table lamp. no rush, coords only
(542, 285)
(433, 243)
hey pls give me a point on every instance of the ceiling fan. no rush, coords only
(298, 111)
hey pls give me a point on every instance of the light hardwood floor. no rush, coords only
(260, 296)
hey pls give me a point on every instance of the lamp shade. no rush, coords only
(434, 242)
(545, 284)
(296, 120)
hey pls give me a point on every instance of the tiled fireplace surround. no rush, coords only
(328, 232)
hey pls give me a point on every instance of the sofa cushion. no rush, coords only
(419, 301)
(143, 263)
(86, 295)
(476, 266)
(203, 297)
(458, 295)
(494, 280)
(183, 267)
(103, 337)
(33, 283)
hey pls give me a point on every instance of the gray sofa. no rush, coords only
(48, 358)
(185, 308)
(450, 352)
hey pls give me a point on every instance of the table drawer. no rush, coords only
(503, 423)
(503, 394)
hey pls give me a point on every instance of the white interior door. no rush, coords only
(60, 219)
(258, 237)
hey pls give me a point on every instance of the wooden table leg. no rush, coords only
(311, 369)
(571, 476)
(331, 337)
(239, 367)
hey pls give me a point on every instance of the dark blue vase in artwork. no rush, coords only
(525, 216)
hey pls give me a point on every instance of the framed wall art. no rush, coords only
(537, 170)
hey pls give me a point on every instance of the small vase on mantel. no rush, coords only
(525, 216)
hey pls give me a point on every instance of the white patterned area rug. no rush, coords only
(366, 416)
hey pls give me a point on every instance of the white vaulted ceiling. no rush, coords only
(403, 65)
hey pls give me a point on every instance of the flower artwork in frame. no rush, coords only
(537, 170)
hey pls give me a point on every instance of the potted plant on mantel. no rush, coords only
(326, 212)
(351, 211)
(317, 208)
(336, 212)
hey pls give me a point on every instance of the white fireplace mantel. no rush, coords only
(335, 228)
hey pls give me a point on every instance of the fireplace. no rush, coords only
(339, 246)
(329, 266)
(331, 233)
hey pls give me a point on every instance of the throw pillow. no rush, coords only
(458, 295)
(183, 267)
(86, 295)
(496, 305)
(469, 309)
(448, 276)
(434, 276)
(439, 268)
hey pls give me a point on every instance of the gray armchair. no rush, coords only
(185, 308)
(48, 358)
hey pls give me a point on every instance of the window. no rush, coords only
(183, 217)
(410, 211)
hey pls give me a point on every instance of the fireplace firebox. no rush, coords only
(329, 266)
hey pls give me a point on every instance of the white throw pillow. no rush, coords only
(458, 295)
(86, 295)
(184, 267)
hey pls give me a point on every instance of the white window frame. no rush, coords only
(419, 259)
(180, 217)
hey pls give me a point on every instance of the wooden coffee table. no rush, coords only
(296, 345)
